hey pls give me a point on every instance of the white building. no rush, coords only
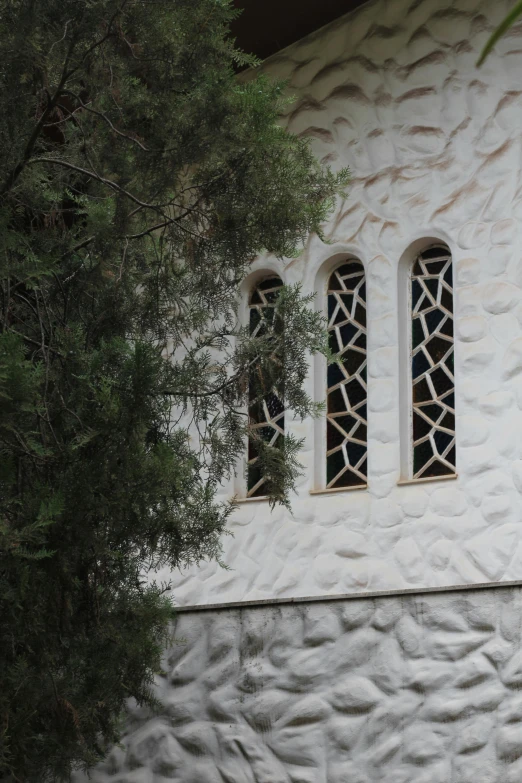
(375, 633)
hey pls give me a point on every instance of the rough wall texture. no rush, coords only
(423, 689)
(435, 150)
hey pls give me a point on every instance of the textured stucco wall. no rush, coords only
(424, 689)
(435, 150)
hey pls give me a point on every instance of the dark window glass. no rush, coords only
(334, 437)
(341, 317)
(443, 440)
(422, 454)
(346, 445)
(270, 285)
(447, 327)
(432, 356)
(441, 381)
(418, 333)
(354, 362)
(336, 402)
(446, 300)
(421, 426)
(420, 364)
(435, 267)
(421, 391)
(332, 341)
(433, 412)
(348, 479)
(449, 401)
(360, 315)
(347, 270)
(347, 333)
(416, 292)
(334, 465)
(448, 421)
(335, 375)
(347, 423)
(432, 284)
(346, 300)
(361, 433)
(356, 452)
(266, 410)
(438, 348)
(432, 320)
(356, 392)
(433, 253)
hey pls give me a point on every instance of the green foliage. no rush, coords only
(501, 30)
(138, 180)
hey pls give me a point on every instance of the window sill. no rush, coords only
(405, 482)
(262, 499)
(337, 490)
(266, 499)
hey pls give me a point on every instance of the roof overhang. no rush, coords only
(267, 26)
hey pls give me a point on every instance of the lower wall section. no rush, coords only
(416, 689)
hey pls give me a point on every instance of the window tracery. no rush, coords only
(266, 415)
(346, 425)
(432, 363)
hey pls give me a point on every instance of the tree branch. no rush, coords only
(92, 175)
(149, 230)
(106, 119)
(34, 342)
(51, 103)
(15, 173)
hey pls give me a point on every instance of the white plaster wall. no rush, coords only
(421, 689)
(434, 147)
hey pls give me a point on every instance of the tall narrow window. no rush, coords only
(432, 364)
(346, 425)
(266, 413)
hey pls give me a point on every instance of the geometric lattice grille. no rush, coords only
(266, 416)
(346, 421)
(432, 365)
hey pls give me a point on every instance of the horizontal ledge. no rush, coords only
(263, 499)
(401, 483)
(360, 596)
(450, 477)
(337, 489)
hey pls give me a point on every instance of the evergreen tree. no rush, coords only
(138, 179)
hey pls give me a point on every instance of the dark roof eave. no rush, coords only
(267, 26)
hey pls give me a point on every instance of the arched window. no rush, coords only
(266, 413)
(432, 366)
(346, 425)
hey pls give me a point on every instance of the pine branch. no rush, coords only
(92, 175)
(51, 103)
(105, 119)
